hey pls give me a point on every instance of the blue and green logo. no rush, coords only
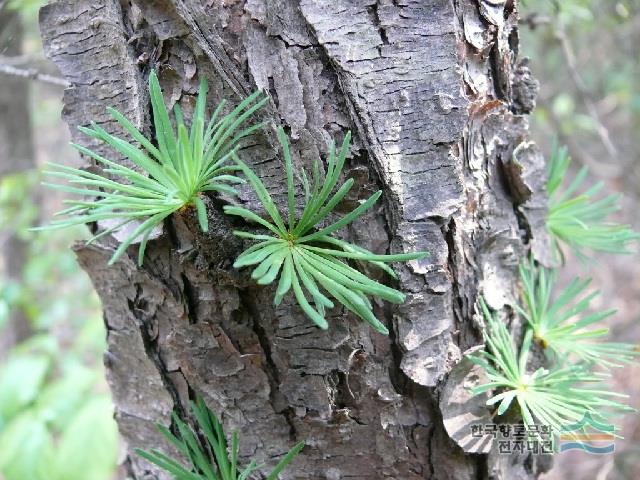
(587, 435)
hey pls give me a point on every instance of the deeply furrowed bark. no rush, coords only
(437, 102)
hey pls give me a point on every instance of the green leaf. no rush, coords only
(21, 379)
(307, 279)
(556, 397)
(291, 197)
(263, 196)
(274, 268)
(147, 226)
(317, 318)
(251, 216)
(93, 431)
(285, 280)
(564, 325)
(351, 278)
(202, 214)
(170, 465)
(252, 257)
(164, 131)
(26, 449)
(347, 219)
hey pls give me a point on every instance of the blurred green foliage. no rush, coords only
(54, 423)
(602, 37)
(52, 288)
(56, 414)
(27, 7)
(55, 409)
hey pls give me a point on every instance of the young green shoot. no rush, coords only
(209, 455)
(555, 397)
(169, 177)
(564, 324)
(579, 220)
(305, 256)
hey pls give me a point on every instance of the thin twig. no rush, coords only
(601, 169)
(32, 74)
(582, 90)
(17, 60)
(534, 20)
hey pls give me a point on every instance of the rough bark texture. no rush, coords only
(437, 101)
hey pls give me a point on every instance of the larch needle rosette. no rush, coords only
(309, 259)
(564, 324)
(184, 164)
(581, 220)
(558, 396)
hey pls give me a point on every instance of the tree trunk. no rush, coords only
(437, 102)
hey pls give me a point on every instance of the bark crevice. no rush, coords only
(271, 368)
(149, 341)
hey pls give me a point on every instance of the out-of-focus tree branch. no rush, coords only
(534, 20)
(577, 149)
(32, 74)
(23, 59)
(583, 91)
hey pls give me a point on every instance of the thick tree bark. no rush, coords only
(437, 102)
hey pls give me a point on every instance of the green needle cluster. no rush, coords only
(579, 219)
(563, 324)
(556, 397)
(305, 256)
(185, 163)
(188, 162)
(209, 455)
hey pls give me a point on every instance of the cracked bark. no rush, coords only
(437, 101)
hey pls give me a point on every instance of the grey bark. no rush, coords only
(437, 101)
